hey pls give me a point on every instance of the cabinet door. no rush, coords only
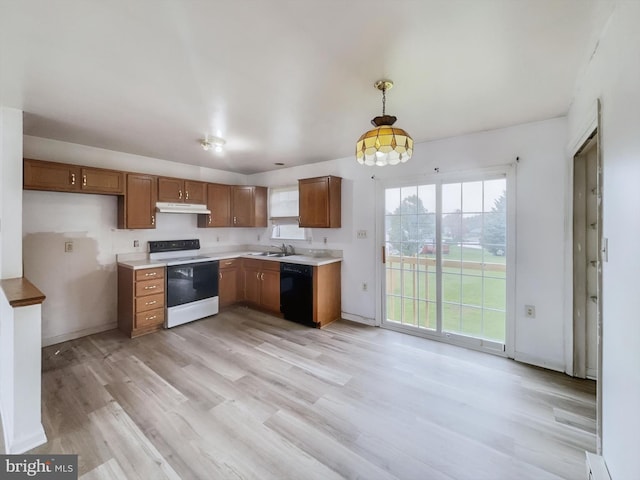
(195, 192)
(251, 284)
(270, 290)
(39, 175)
(219, 202)
(314, 202)
(319, 202)
(97, 180)
(242, 206)
(139, 202)
(228, 286)
(170, 190)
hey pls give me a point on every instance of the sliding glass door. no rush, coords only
(445, 270)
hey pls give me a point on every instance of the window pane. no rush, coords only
(451, 198)
(472, 197)
(472, 290)
(493, 191)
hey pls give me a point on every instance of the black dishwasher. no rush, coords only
(296, 293)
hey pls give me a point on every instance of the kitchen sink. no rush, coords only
(270, 254)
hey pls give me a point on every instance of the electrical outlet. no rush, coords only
(325, 240)
(530, 311)
(136, 243)
(362, 234)
(68, 246)
(365, 287)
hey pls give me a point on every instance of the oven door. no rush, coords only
(191, 282)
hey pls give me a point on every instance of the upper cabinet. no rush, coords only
(320, 202)
(249, 206)
(176, 190)
(219, 202)
(61, 177)
(136, 209)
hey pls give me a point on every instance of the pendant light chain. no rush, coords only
(384, 99)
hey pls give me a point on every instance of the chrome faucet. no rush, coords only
(290, 247)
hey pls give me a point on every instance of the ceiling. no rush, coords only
(287, 81)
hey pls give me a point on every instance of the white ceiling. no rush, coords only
(285, 80)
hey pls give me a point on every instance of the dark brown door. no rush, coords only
(314, 202)
(40, 175)
(243, 206)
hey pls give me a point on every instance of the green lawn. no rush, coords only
(474, 292)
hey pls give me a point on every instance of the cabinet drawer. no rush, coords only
(229, 263)
(150, 318)
(149, 287)
(149, 273)
(270, 265)
(150, 302)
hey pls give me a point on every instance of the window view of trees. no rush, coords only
(472, 268)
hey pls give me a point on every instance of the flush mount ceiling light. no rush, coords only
(385, 144)
(215, 143)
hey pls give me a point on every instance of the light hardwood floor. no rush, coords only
(246, 395)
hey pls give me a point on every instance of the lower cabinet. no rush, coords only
(327, 295)
(228, 291)
(141, 300)
(261, 284)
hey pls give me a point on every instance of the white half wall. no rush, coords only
(613, 75)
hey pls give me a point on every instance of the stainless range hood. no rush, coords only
(165, 207)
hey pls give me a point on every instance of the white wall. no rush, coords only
(11, 192)
(81, 286)
(613, 75)
(540, 182)
(51, 218)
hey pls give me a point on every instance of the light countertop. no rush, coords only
(298, 259)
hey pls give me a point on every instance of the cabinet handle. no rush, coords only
(73, 179)
(180, 194)
(228, 263)
(151, 274)
(235, 220)
(220, 275)
(152, 317)
(152, 287)
(153, 219)
(209, 219)
(151, 303)
(262, 276)
(258, 275)
(299, 220)
(187, 194)
(84, 180)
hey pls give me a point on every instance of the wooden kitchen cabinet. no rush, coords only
(249, 206)
(320, 202)
(177, 190)
(141, 300)
(136, 209)
(261, 282)
(327, 293)
(62, 177)
(219, 203)
(228, 285)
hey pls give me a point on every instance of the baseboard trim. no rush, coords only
(597, 467)
(65, 337)
(359, 319)
(538, 362)
(23, 444)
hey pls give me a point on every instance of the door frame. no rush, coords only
(477, 174)
(592, 123)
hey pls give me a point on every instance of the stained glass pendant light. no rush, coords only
(385, 144)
